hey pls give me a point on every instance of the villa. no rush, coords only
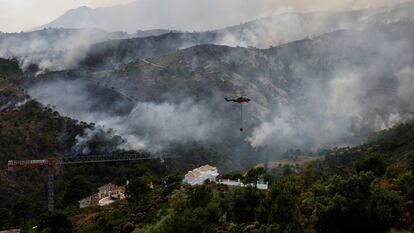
(199, 175)
(106, 195)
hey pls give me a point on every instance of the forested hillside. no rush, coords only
(30, 130)
(370, 191)
(292, 122)
(361, 189)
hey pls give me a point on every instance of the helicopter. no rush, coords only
(240, 100)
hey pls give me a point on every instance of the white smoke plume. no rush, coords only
(338, 111)
(148, 125)
(406, 87)
(97, 140)
(339, 86)
(51, 49)
(60, 49)
(363, 93)
(287, 24)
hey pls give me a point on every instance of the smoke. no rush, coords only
(51, 49)
(288, 24)
(152, 126)
(329, 114)
(310, 94)
(60, 49)
(150, 14)
(190, 15)
(97, 140)
(352, 104)
(164, 122)
(146, 125)
(406, 87)
(321, 5)
(307, 95)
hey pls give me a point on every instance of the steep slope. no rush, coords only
(287, 27)
(145, 15)
(58, 49)
(367, 189)
(306, 94)
(53, 49)
(123, 51)
(30, 130)
(262, 33)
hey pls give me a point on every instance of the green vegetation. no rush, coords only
(354, 203)
(371, 192)
(54, 222)
(9, 67)
(369, 188)
(373, 163)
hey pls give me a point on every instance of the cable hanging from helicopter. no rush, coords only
(239, 100)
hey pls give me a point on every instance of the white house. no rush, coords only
(259, 185)
(200, 175)
(106, 195)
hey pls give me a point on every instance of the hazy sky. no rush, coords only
(17, 15)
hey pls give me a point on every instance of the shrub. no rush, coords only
(373, 163)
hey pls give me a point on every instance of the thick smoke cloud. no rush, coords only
(51, 49)
(59, 49)
(147, 125)
(352, 104)
(97, 140)
(331, 114)
(348, 84)
(288, 24)
(406, 88)
(337, 87)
